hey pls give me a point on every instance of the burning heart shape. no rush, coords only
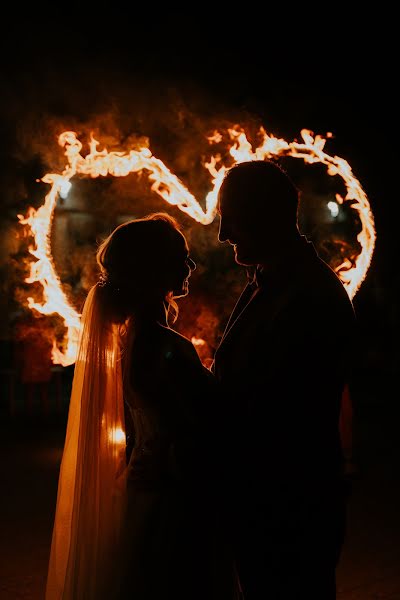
(172, 190)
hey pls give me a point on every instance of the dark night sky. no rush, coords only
(321, 72)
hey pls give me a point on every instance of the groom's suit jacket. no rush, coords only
(281, 365)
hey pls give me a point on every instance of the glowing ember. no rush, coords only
(197, 341)
(171, 189)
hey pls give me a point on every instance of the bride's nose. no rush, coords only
(191, 264)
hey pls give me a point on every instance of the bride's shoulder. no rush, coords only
(166, 349)
(150, 340)
(181, 359)
(177, 343)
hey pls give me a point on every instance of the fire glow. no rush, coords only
(119, 164)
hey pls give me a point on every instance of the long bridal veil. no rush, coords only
(91, 489)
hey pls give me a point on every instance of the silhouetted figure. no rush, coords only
(282, 365)
(135, 515)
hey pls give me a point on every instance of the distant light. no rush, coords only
(64, 189)
(334, 208)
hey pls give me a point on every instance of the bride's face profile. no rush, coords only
(185, 266)
(147, 261)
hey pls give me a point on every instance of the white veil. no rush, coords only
(84, 557)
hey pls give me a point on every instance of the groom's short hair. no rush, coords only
(263, 187)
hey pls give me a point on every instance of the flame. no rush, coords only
(119, 164)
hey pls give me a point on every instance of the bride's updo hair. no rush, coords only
(140, 262)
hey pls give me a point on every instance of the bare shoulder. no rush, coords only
(157, 343)
(161, 355)
(177, 344)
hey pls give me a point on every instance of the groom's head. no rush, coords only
(257, 203)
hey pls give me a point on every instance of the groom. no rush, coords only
(282, 365)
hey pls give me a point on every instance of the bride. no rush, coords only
(135, 516)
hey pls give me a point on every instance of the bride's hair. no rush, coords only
(139, 262)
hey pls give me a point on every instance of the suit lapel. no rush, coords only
(244, 308)
(245, 298)
(253, 310)
(259, 310)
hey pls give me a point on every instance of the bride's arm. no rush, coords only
(195, 403)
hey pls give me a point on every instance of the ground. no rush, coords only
(369, 568)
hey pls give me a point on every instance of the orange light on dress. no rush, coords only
(117, 436)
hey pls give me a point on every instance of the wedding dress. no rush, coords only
(136, 514)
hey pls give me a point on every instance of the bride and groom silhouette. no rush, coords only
(182, 482)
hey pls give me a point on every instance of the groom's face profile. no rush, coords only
(257, 204)
(241, 228)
